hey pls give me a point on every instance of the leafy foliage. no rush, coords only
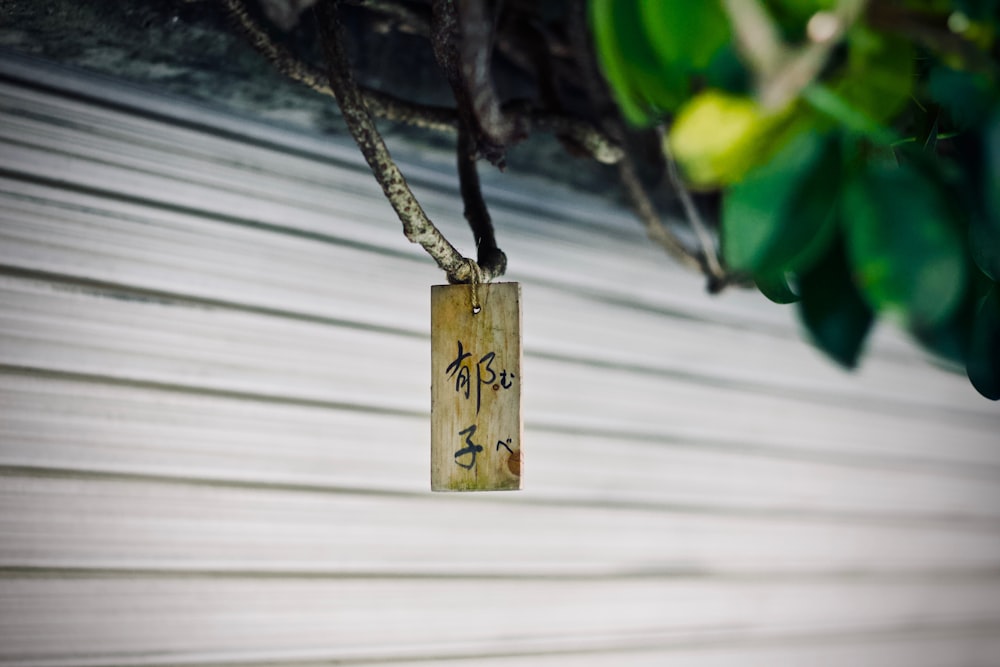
(856, 147)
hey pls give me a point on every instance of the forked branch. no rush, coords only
(462, 34)
(436, 118)
(416, 225)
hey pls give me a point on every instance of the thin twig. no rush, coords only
(757, 36)
(416, 225)
(584, 135)
(782, 71)
(705, 238)
(643, 208)
(398, 110)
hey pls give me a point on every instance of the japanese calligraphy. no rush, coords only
(460, 370)
(470, 449)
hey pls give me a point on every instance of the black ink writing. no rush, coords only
(471, 449)
(460, 369)
(504, 382)
(488, 360)
(460, 372)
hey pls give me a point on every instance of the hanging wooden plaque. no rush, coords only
(476, 428)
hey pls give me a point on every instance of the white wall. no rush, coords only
(214, 449)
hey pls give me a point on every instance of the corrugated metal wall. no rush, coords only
(214, 391)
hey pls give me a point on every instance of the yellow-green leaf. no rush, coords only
(717, 138)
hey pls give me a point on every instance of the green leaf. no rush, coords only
(978, 9)
(610, 55)
(776, 289)
(727, 72)
(880, 73)
(950, 339)
(716, 138)
(831, 104)
(835, 315)
(641, 86)
(965, 97)
(983, 365)
(907, 253)
(780, 216)
(979, 155)
(984, 240)
(662, 88)
(685, 35)
(991, 175)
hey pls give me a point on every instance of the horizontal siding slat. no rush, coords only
(66, 424)
(123, 620)
(101, 523)
(924, 647)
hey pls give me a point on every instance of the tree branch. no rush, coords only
(782, 71)
(476, 32)
(446, 40)
(435, 118)
(381, 104)
(416, 226)
(584, 135)
(712, 266)
(408, 18)
(490, 257)
(643, 208)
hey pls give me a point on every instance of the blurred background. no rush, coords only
(214, 398)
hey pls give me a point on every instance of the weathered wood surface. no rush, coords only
(214, 379)
(476, 428)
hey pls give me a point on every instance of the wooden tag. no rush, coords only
(476, 426)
